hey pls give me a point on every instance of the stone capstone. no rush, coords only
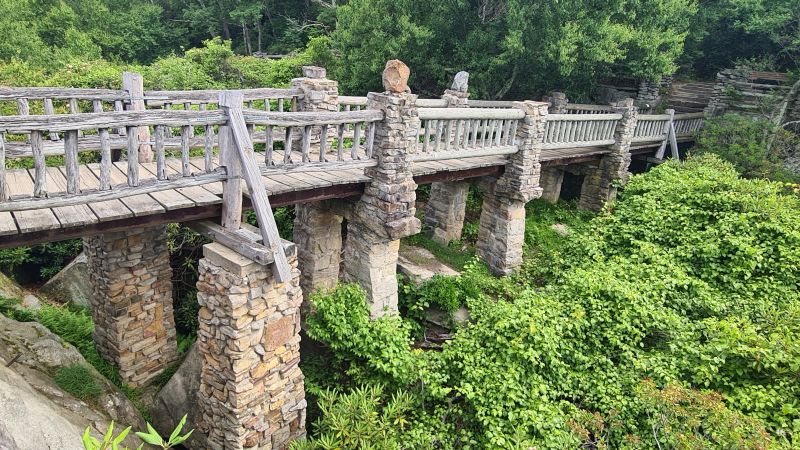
(71, 283)
(395, 76)
(461, 82)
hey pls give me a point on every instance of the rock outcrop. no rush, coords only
(35, 412)
(71, 284)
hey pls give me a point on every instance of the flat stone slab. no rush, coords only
(419, 265)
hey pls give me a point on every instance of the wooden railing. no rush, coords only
(651, 128)
(266, 99)
(447, 133)
(578, 108)
(579, 130)
(688, 124)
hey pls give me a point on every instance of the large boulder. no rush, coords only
(71, 284)
(179, 397)
(35, 412)
(419, 265)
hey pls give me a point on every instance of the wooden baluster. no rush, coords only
(573, 129)
(439, 129)
(187, 106)
(133, 157)
(513, 133)
(449, 136)
(270, 147)
(74, 109)
(105, 159)
(49, 111)
(323, 143)
(119, 108)
(71, 161)
(371, 139)
(340, 145)
(280, 105)
(287, 146)
(457, 136)
(37, 148)
(186, 131)
(3, 193)
(251, 128)
(23, 108)
(475, 125)
(356, 141)
(306, 148)
(499, 133)
(425, 128)
(161, 163)
(506, 132)
(484, 123)
(208, 154)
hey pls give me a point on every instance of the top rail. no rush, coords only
(40, 93)
(111, 119)
(212, 95)
(470, 113)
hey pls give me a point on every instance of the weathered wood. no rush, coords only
(287, 145)
(578, 117)
(115, 119)
(323, 143)
(133, 157)
(71, 161)
(234, 240)
(212, 96)
(14, 93)
(232, 186)
(231, 102)
(39, 188)
(313, 118)
(445, 155)
(306, 143)
(185, 131)
(356, 140)
(3, 193)
(49, 111)
(161, 165)
(469, 113)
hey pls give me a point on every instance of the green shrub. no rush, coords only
(79, 381)
(743, 141)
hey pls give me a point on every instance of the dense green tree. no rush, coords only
(513, 48)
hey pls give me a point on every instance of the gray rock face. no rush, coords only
(461, 82)
(179, 397)
(419, 265)
(71, 284)
(36, 413)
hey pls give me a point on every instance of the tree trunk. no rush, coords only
(259, 27)
(248, 46)
(223, 17)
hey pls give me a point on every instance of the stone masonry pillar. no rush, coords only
(558, 102)
(132, 301)
(600, 184)
(385, 212)
(550, 181)
(318, 236)
(502, 229)
(447, 203)
(251, 388)
(317, 231)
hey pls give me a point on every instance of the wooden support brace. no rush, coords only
(231, 103)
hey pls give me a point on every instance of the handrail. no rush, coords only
(110, 119)
(40, 93)
(470, 113)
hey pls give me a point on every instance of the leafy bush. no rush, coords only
(745, 142)
(79, 381)
(690, 281)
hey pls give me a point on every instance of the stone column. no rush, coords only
(550, 181)
(132, 301)
(251, 387)
(558, 102)
(317, 231)
(444, 212)
(318, 236)
(385, 212)
(600, 184)
(502, 229)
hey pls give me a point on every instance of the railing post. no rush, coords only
(318, 229)
(600, 184)
(669, 133)
(232, 186)
(502, 230)
(134, 84)
(385, 212)
(447, 202)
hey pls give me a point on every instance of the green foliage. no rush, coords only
(363, 419)
(109, 442)
(78, 380)
(691, 280)
(152, 437)
(39, 262)
(743, 141)
(574, 42)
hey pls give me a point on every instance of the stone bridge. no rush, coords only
(114, 167)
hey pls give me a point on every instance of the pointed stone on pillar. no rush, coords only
(445, 210)
(132, 301)
(386, 211)
(318, 236)
(600, 184)
(550, 181)
(251, 387)
(558, 102)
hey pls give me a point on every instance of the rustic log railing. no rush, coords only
(447, 133)
(579, 130)
(651, 128)
(688, 124)
(579, 108)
